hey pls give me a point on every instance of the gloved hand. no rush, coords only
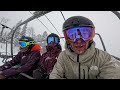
(1, 72)
(1, 68)
(2, 77)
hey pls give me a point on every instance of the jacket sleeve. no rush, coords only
(110, 69)
(24, 68)
(58, 70)
(11, 63)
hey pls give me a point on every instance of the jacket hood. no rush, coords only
(84, 57)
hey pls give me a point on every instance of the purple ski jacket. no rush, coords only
(22, 62)
(49, 58)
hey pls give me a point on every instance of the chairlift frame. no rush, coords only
(42, 13)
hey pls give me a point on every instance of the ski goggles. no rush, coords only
(74, 34)
(52, 39)
(24, 44)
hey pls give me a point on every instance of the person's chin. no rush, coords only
(80, 51)
(23, 51)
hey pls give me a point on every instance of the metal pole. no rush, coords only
(6, 47)
(101, 41)
(3, 27)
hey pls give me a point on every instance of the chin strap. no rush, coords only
(69, 46)
(90, 42)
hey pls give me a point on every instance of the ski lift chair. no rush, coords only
(29, 77)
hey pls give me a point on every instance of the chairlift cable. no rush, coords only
(42, 23)
(62, 15)
(53, 26)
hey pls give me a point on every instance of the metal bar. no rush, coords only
(101, 41)
(27, 76)
(6, 47)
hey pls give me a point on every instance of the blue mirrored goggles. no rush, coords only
(74, 34)
(52, 39)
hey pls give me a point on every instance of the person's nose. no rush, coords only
(79, 40)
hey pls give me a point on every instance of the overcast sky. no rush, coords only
(106, 23)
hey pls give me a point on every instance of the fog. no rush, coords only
(106, 24)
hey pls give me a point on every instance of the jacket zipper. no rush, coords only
(78, 67)
(84, 73)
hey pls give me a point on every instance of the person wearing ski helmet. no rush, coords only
(49, 58)
(24, 62)
(80, 59)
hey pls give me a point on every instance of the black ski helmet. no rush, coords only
(27, 39)
(77, 21)
(53, 35)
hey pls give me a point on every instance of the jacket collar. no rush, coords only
(36, 47)
(53, 50)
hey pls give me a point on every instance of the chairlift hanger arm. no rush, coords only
(101, 41)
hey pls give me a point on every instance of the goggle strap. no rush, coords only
(92, 34)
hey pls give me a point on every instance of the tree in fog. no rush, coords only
(17, 33)
(3, 22)
(23, 32)
(38, 38)
(9, 35)
(30, 32)
(43, 42)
